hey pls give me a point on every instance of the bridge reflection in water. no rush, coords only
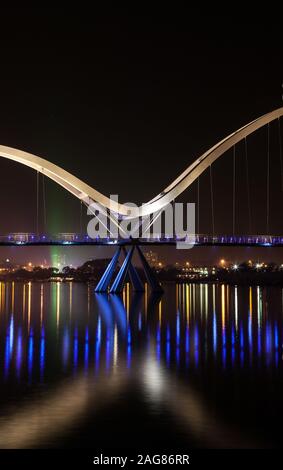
(204, 346)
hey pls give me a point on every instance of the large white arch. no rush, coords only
(88, 194)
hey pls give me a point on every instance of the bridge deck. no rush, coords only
(198, 240)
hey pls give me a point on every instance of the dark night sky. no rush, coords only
(126, 102)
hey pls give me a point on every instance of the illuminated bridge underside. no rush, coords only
(88, 194)
(200, 240)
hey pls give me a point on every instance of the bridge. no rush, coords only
(152, 209)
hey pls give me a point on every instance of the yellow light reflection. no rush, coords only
(124, 297)
(187, 304)
(160, 312)
(41, 304)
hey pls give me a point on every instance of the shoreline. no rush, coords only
(232, 282)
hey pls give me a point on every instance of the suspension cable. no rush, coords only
(211, 195)
(37, 203)
(248, 186)
(267, 179)
(234, 189)
(280, 152)
(198, 202)
(44, 203)
(81, 217)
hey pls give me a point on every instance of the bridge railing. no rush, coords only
(198, 239)
(264, 240)
(203, 239)
(26, 237)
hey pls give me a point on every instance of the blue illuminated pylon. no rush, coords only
(119, 281)
(128, 268)
(104, 282)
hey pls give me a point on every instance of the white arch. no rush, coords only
(88, 194)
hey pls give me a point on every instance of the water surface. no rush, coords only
(199, 367)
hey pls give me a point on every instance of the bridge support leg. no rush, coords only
(104, 282)
(127, 267)
(119, 281)
(149, 273)
(134, 277)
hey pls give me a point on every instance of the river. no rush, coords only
(199, 367)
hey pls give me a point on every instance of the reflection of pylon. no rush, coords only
(127, 268)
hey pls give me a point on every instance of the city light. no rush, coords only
(235, 267)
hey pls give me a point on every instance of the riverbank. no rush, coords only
(248, 278)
